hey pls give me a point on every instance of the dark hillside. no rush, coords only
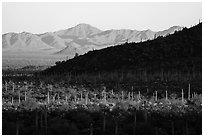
(180, 52)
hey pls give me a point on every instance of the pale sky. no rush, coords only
(50, 17)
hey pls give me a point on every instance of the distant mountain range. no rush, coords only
(27, 49)
(80, 39)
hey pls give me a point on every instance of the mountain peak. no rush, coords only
(82, 30)
(86, 27)
(83, 24)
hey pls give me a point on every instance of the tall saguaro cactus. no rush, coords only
(132, 97)
(12, 93)
(48, 97)
(189, 91)
(19, 97)
(66, 99)
(87, 95)
(139, 96)
(156, 96)
(105, 97)
(122, 96)
(104, 94)
(112, 93)
(166, 95)
(25, 95)
(182, 96)
(26, 90)
(128, 95)
(58, 98)
(53, 98)
(81, 96)
(48, 93)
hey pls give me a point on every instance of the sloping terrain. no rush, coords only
(179, 52)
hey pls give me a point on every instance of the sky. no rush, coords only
(49, 17)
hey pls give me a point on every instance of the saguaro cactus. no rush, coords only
(122, 95)
(104, 94)
(19, 97)
(48, 94)
(53, 98)
(189, 91)
(66, 99)
(81, 96)
(75, 98)
(128, 95)
(105, 97)
(166, 95)
(112, 92)
(132, 97)
(156, 95)
(25, 95)
(13, 87)
(58, 98)
(12, 93)
(48, 97)
(182, 96)
(87, 96)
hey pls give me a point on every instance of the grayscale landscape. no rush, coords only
(118, 68)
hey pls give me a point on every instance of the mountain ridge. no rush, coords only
(82, 34)
(60, 43)
(180, 52)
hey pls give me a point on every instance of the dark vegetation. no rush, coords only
(37, 108)
(84, 122)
